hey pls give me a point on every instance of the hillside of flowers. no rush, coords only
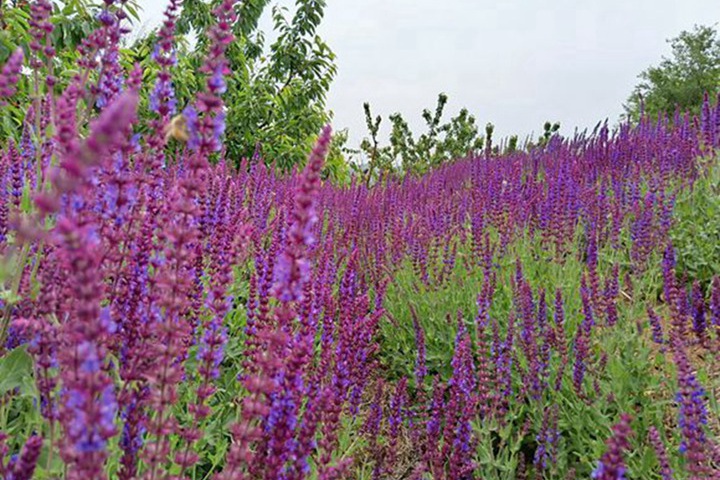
(545, 314)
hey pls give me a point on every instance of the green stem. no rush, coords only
(51, 446)
(4, 327)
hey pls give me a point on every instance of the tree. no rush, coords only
(681, 80)
(443, 142)
(72, 20)
(277, 94)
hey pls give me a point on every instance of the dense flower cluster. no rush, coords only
(181, 318)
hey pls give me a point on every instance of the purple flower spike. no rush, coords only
(25, 465)
(612, 465)
(10, 74)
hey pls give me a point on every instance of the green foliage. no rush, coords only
(336, 167)
(635, 378)
(18, 416)
(73, 21)
(696, 230)
(681, 80)
(282, 105)
(380, 158)
(277, 95)
(16, 372)
(512, 145)
(549, 129)
(489, 129)
(443, 142)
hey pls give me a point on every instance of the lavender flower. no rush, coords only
(715, 303)
(657, 443)
(292, 270)
(698, 311)
(612, 465)
(656, 326)
(24, 466)
(692, 413)
(547, 439)
(10, 74)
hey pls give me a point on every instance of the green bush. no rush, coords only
(696, 229)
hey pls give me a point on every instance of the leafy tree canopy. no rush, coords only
(681, 80)
(276, 97)
(277, 94)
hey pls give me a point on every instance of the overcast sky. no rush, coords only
(515, 63)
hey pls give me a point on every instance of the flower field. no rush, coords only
(544, 314)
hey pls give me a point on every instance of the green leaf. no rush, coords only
(16, 372)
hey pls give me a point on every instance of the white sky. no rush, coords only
(516, 63)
